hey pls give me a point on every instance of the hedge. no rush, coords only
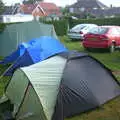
(102, 21)
(61, 26)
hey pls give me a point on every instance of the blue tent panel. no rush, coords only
(39, 49)
(22, 61)
(45, 47)
(13, 56)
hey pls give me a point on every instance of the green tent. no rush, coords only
(36, 89)
(15, 34)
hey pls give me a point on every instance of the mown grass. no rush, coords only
(110, 110)
(3, 80)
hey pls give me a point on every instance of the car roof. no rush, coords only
(109, 26)
(86, 24)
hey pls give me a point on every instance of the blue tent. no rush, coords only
(32, 52)
(13, 56)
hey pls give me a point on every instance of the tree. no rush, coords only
(65, 11)
(2, 7)
(31, 1)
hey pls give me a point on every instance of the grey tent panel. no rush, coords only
(93, 77)
(15, 34)
(85, 85)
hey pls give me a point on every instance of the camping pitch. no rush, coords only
(32, 52)
(61, 86)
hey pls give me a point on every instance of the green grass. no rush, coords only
(110, 110)
(3, 80)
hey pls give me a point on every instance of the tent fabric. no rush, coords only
(45, 79)
(92, 86)
(34, 111)
(15, 34)
(65, 85)
(34, 51)
(13, 56)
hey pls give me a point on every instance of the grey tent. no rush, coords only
(15, 34)
(61, 86)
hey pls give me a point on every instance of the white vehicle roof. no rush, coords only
(81, 26)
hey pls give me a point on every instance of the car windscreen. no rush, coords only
(99, 30)
(78, 27)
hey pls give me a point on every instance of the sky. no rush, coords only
(63, 3)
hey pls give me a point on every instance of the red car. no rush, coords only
(103, 37)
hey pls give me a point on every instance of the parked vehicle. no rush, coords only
(103, 37)
(78, 31)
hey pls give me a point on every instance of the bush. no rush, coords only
(2, 27)
(60, 26)
(102, 21)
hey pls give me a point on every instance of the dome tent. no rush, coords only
(32, 52)
(15, 34)
(60, 86)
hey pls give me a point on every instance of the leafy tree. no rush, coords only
(65, 11)
(1, 7)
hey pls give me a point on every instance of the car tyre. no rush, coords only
(86, 49)
(112, 48)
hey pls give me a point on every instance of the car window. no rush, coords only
(78, 27)
(115, 31)
(99, 30)
(86, 28)
(118, 29)
(89, 27)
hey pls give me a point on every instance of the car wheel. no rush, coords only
(86, 49)
(112, 48)
(72, 39)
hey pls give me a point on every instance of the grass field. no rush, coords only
(108, 111)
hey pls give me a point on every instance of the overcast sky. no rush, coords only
(67, 2)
